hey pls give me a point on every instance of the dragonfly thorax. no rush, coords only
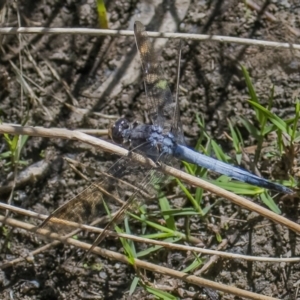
(148, 139)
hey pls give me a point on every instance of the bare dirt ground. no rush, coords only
(82, 81)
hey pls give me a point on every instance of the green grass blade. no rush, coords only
(278, 122)
(159, 236)
(129, 242)
(159, 294)
(165, 206)
(236, 138)
(268, 129)
(250, 127)
(186, 211)
(218, 151)
(190, 197)
(6, 154)
(14, 143)
(24, 139)
(103, 22)
(134, 285)
(199, 195)
(263, 123)
(8, 140)
(159, 227)
(269, 202)
(189, 168)
(152, 249)
(237, 187)
(296, 119)
(252, 92)
(194, 265)
(128, 245)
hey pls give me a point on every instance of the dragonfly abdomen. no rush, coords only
(191, 156)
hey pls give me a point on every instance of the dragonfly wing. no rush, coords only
(177, 126)
(162, 109)
(82, 209)
(149, 179)
(118, 185)
(88, 205)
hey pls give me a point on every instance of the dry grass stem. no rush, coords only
(169, 35)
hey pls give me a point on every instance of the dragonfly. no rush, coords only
(161, 141)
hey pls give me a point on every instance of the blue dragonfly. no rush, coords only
(164, 137)
(161, 141)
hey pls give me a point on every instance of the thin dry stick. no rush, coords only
(97, 132)
(109, 147)
(169, 35)
(191, 279)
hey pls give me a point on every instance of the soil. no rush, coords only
(82, 81)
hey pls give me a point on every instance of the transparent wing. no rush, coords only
(80, 210)
(88, 205)
(127, 186)
(149, 179)
(177, 126)
(162, 109)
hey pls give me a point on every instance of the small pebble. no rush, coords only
(103, 275)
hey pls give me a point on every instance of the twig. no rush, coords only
(183, 36)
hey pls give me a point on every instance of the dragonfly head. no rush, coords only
(119, 131)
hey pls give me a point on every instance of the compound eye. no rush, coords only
(124, 124)
(116, 131)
